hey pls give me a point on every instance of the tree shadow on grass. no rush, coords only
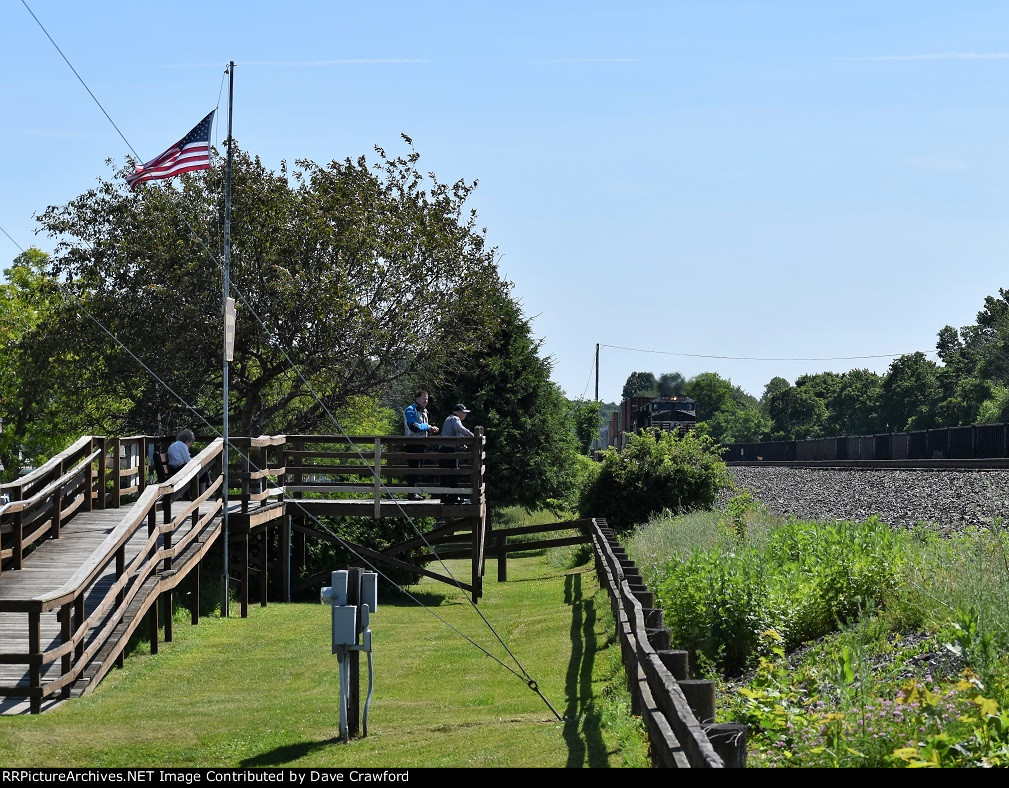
(407, 598)
(281, 756)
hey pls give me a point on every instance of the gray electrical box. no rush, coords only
(369, 590)
(344, 625)
(335, 594)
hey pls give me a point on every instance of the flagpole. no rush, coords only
(226, 287)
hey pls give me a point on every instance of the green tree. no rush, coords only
(640, 384)
(349, 278)
(42, 409)
(737, 425)
(588, 418)
(975, 363)
(995, 409)
(987, 343)
(964, 402)
(796, 413)
(911, 393)
(531, 445)
(711, 392)
(825, 387)
(774, 386)
(855, 407)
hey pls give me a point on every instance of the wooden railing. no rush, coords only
(259, 471)
(679, 713)
(378, 466)
(94, 473)
(42, 500)
(67, 627)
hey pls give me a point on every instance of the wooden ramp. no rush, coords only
(82, 576)
(90, 545)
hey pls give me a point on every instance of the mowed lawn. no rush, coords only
(516, 681)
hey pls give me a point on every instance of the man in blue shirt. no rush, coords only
(178, 452)
(416, 425)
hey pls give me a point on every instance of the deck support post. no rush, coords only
(244, 559)
(35, 650)
(169, 602)
(67, 662)
(265, 537)
(285, 558)
(194, 595)
(152, 626)
(120, 596)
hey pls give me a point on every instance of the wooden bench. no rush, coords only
(161, 469)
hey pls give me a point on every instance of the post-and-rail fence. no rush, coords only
(106, 545)
(678, 712)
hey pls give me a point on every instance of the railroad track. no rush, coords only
(951, 499)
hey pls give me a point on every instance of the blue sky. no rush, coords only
(695, 186)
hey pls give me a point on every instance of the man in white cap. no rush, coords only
(453, 428)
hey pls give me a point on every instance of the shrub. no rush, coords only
(715, 605)
(833, 571)
(656, 471)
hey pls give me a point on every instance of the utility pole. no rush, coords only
(597, 372)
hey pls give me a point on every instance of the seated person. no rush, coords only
(178, 457)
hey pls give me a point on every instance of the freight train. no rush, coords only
(677, 413)
(986, 445)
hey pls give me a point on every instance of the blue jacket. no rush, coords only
(415, 421)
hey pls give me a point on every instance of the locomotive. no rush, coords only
(676, 413)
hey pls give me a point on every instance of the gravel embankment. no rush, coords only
(951, 500)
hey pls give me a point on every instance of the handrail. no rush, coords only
(139, 512)
(49, 489)
(378, 465)
(128, 566)
(27, 518)
(85, 633)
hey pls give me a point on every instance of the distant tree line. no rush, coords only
(969, 385)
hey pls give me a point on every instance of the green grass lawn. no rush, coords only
(264, 691)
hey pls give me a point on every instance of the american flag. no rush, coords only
(190, 153)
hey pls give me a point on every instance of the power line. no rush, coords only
(79, 77)
(760, 358)
(2, 230)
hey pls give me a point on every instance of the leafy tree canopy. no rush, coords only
(774, 386)
(911, 393)
(531, 444)
(854, 407)
(588, 418)
(796, 413)
(711, 392)
(640, 384)
(348, 276)
(42, 410)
